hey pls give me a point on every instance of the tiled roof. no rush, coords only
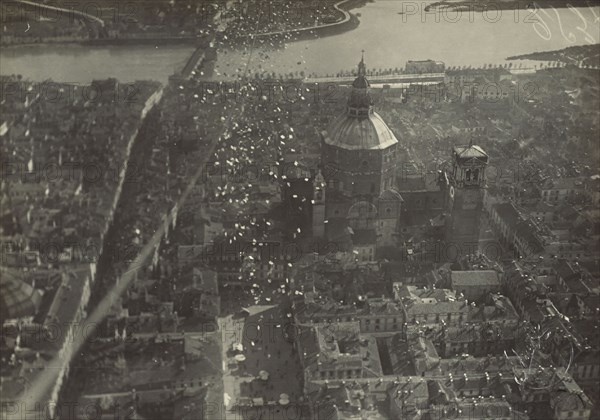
(470, 152)
(437, 308)
(474, 278)
(508, 213)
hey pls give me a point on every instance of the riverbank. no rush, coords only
(346, 23)
(577, 55)
(495, 5)
(106, 23)
(302, 34)
(100, 42)
(378, 33)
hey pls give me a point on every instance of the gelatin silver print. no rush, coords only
(300, 209)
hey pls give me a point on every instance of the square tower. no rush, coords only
(468, 190)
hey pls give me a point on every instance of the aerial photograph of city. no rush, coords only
(300, 209)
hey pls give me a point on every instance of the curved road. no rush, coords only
(73, 12)
(347, 17)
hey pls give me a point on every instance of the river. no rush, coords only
(80, 64)
(388, 38)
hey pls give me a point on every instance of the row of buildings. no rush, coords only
(450, 342)
(66, 157)
(437, 344)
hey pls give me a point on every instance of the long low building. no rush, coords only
(475, 284)
(388, 78)
(43, 350)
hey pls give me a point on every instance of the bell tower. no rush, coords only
(469, 183)
(318, 206)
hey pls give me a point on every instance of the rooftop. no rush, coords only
(474, 278)
(369, 133)
(436, 308)
(508, 212)
(69, 299)
(570, 183)
(470, 152)
(423, 295)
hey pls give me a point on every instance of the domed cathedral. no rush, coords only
(354, 191)
(364, 198)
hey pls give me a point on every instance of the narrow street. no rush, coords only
(255, 378)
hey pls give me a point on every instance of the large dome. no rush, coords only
(17, 298)
(352, 133)
(360, 128)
